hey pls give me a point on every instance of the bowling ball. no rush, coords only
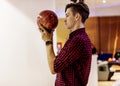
(110, 59)
(48, 19)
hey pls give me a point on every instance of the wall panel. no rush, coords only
(101, 30)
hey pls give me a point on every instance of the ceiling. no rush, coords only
(91, 3)
(111, 7)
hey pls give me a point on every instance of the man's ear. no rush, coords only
(77, 16)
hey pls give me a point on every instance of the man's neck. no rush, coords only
(78, 27)
(82, 25)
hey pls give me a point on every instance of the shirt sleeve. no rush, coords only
(69, 53)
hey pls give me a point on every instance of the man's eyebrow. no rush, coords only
(66, 13)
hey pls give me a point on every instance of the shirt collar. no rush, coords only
(76, 32)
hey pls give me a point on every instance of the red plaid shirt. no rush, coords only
(73, 62)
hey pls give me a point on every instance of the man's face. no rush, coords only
(69, 19)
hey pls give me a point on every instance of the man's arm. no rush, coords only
(50, 56)
(48, 38)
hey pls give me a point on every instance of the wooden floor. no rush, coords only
(105, 83)
(114, 78)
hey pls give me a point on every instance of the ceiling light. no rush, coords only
(104, 1)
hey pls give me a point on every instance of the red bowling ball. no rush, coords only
(48, 19)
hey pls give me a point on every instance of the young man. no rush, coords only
(72, 64)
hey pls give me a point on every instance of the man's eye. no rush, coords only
(66, 15)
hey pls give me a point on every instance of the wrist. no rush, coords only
(48, 43)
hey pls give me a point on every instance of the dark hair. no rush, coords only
(80, 8)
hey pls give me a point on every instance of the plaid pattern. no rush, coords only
(73, 62)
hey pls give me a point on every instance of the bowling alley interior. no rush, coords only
(23, 59)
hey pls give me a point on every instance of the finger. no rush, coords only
(41, 30)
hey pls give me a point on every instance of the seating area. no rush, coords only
(104, 71)
(108, 72)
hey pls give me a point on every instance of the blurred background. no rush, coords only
(23, 60)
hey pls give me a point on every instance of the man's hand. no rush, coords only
(46, 36)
